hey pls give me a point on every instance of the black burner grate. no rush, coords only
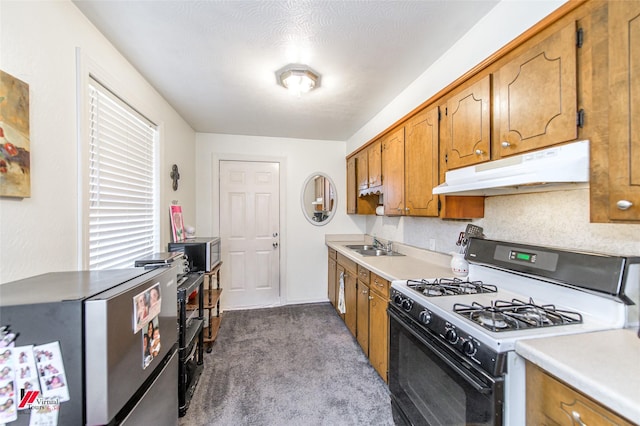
(449, 287)
(516, 314)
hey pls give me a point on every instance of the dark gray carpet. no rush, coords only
(291, 365)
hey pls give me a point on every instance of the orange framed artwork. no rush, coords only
(15, 156)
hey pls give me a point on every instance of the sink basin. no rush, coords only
(378, 252)
(361, 247)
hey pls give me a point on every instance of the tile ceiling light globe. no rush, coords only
(298, 78)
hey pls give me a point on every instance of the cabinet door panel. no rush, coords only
(466, 137)
(363, 316)
(538, 97)
(362, 170)
(378, 334)
(350, 282)
(374, 155)
(393, 173)
(624, 114)
(332, 282)
(421, 164)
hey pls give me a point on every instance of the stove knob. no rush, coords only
(407, 304)
(397, 299)
(425, 317)
(451, 335)
(468, 348)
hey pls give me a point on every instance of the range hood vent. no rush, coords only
(559, 168)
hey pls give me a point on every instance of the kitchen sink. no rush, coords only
(361, 247)
(378, 252)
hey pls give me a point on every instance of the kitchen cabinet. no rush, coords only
(410, 167)
(379, 325)
(362, 310)
(365, 204)
(624, 111)
(465, 137)
(362, 170)
(332, 282)
(550, 401)
(421, 163)
(349, 269)
(374, 155)
(393, 172)
(369, 168)
(537, 96)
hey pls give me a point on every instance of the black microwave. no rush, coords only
(203, 253)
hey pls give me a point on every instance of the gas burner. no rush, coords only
(449, 286)
(504, 316)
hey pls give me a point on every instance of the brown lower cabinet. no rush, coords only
(551, 402)
(366, 300)
(379, 329)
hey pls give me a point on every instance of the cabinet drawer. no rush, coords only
(550, 401)
(348, 264)
(363, 274)
(379, 285)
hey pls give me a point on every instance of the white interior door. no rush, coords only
(250, 233)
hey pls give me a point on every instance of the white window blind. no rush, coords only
(123, 212)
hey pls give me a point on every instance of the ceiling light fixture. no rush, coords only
(298, 78)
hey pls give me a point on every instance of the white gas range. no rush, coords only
(513, 292)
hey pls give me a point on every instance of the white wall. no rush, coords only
(38, 45)
(558, 219)
(304, 266)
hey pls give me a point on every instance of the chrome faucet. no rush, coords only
(380, 245)
(377, 243)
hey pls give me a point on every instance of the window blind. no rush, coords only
(123, 212)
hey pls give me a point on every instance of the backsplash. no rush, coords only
(558, 219)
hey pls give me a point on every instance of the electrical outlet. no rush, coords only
(432, 244)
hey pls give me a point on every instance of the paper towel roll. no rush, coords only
(380, 210)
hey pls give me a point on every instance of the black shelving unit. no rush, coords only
(190, 338)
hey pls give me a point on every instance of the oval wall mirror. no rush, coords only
(319, 199)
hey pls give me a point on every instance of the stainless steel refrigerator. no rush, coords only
(100, 328)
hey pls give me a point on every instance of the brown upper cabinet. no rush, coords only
(369, 168)
(374, 154)
(362, 170)
(536, 95)
(352, 196)
(624, 111)
(421, 163)
(393, 172)
(465, 138)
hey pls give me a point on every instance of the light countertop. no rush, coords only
(416, 263)
(603, 365)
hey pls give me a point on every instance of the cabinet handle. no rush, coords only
(364, 292)
(505, 144)
(479, 152)
(370, 297)
(406, 209)
(624, 205)
(577, 419)
(275, 245)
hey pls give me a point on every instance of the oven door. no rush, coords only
(432, 385)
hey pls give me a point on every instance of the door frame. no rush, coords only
(216, 158)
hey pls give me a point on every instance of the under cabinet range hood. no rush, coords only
(559, 168)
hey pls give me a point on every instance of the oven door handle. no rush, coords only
(477, 385)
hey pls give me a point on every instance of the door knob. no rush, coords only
(624, 204)
(275, 245)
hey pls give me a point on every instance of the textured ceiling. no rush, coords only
(215, 61)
